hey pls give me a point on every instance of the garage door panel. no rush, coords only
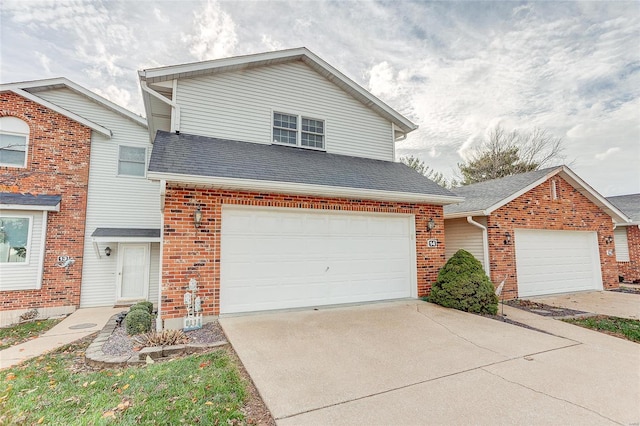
(556, 262)
(276, 259)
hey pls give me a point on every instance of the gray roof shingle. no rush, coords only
(211, 157)
(629, 204)
(29, 199)
(481, 196)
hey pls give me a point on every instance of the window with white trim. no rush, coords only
(621, 244)
(14, 140)
(297, 130)
(14, 239)
(132, 161)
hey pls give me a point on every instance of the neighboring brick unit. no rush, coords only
(631, 270)
(195, 253)
(57, 164)
(536, 210)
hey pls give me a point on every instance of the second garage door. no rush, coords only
(289, 258)
(557, 262)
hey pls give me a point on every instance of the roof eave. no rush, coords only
(458, 215)
(302, 189)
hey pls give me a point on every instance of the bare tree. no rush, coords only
(419, 166)
(508, 153)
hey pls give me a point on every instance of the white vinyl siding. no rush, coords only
(460, 234)
(240, 106)
(621, 244)
(549, 262)
(288, 258)
(113, 201)
(26, 274)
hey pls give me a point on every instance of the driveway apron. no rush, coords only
(409, 362)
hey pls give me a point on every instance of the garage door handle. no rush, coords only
(326, 269)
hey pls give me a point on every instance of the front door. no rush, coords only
(133, 271)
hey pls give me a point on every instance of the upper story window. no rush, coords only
(14, 140)
(132, 161)
(297, 130)
(14, 239)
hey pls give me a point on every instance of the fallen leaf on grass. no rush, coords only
(40, 420)
(208, 403)
(10, 376)
(125, 387)
(108, 414)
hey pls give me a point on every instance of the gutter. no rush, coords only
(163, 191)
(303, 188)
(485, 244)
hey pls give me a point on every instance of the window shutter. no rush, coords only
(621, 244)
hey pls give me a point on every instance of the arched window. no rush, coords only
(14, 141)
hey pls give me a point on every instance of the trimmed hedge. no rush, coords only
(147, 305)
(463, 285)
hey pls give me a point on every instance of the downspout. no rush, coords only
(163, 191)
(175, 108)
(485, 244)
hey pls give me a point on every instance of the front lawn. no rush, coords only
(621, 327)
(20, 333)
(59, 389)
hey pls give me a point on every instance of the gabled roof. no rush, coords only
(30, 89)
(235, 165)
(629, 204)
(160, 74)
(481, 199)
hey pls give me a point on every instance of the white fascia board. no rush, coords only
(458, 215)
(302, 189)
(75, 117)
(39, 208)
(311, 59)
(54, 83)
(126, 239)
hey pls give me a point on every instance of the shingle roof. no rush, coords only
(483, 195)
(127, 232)
(7, 198)
(629, 204)
(210, 157)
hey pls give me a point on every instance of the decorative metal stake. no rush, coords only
(193, 320)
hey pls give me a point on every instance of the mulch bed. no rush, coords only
(543, 309)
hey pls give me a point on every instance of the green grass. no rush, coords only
(19, 333)
(197, 389)
(621, 327)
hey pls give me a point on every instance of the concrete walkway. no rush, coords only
(613, 303)
(79, 324)
(417, 363)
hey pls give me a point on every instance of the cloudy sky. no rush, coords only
(457, 69)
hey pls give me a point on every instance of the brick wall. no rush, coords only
(195, 253)
(536, 210)
(57, 164)
(631, 270)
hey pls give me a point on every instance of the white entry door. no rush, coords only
(133, 271)
(556, 262)
(290, 258)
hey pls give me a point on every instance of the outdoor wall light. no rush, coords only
(197, 217)
(107, 251)
(608, 240)
(431, 224)
(507, 238)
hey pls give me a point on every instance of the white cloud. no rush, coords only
(116, 95)
(608, 152)
(45, 61)
(215, 34)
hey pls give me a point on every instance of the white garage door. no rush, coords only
(557, 262)
(288, 258)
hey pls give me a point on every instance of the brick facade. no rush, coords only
(195, 253)
(57, 164)
(631, 270)
(537, 210)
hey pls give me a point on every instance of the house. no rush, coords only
(627, 237)
(80, 223)
(545, 231)
(279, 188)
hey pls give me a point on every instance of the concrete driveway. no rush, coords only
(622, 305)
(412, 363)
